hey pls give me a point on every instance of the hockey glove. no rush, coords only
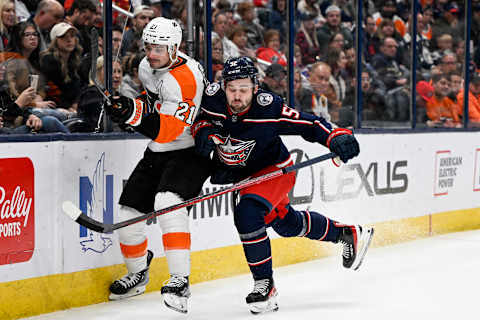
(205, 137)
(125, 110)
(343, 144)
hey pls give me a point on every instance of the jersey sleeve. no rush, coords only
(174, 107)
(310, 127)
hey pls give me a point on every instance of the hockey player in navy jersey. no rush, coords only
(242, 125)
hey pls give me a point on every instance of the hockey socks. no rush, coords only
(308, 224)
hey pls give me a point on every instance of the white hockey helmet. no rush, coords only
(163, 31)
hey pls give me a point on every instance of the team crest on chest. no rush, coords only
(212, 89)
(234, 152)
(264, 99)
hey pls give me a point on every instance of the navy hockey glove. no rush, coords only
(204, 135)
(125, 110)
(343, 144)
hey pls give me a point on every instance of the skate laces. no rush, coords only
(175, 281)
(131, 279)
(261, 286)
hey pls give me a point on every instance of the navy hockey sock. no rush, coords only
(249, 220)
(306, 224)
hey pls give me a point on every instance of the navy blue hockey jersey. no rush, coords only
(250, 141)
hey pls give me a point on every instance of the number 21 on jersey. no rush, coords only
(186, 112)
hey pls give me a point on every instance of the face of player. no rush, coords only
(239, 94)
(157, 55)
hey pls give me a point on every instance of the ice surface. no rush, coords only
(434, 278)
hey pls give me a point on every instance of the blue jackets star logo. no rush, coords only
(234, 152)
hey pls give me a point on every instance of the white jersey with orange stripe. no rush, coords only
(175, 95)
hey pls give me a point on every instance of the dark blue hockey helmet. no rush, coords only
(239, 68)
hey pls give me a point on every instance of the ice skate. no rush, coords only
(131, 284)
(176, 293)
(356, 241)
(263, 298)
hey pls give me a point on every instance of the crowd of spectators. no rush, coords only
(46, 72)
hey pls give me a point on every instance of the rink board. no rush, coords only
(407, 185)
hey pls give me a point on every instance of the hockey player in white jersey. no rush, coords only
(170, 171)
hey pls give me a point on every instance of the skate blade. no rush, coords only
(175, 302)
(264, 306)
(366, 239)
(133, 292)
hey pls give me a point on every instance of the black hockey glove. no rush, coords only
(343, 144)
(122, 109)
(204, 134)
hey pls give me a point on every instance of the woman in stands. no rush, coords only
(60, 64)
(8, 19)
(22, 60)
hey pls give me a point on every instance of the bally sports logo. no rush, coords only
(17, 219)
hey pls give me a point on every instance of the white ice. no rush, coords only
(434, 278)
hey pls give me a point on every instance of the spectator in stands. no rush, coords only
(132, 37)
(17, 116)
(319, 77)
(132, 86)
(306, 39)
(370, 38)
(220, 28)
(311, 8)
(444, 44)
(225, 6)
(448, 22)
(60, 65)
(23, 53)
(275, 80)
(427, 30)
(91, 100)
(441, 111)
(395, 78)
(217, 51)
(388, 10)
(336, 41)
(157, 8)
(238, 36)
(350, 67)
(422, 44)
(80, 15)
(303, 96)
(49, 13)
(423, 93)
(7, 21)
(255, 31)
(332, 26)
(271, 51)
(277, 18)
(387, 29)
(336, 92)
(456, 84)
(473, 100)
(449, 63)
(373, 101)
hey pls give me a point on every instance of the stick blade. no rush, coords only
(81, 218)
(71, 210)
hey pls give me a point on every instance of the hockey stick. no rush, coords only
(83, 219)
